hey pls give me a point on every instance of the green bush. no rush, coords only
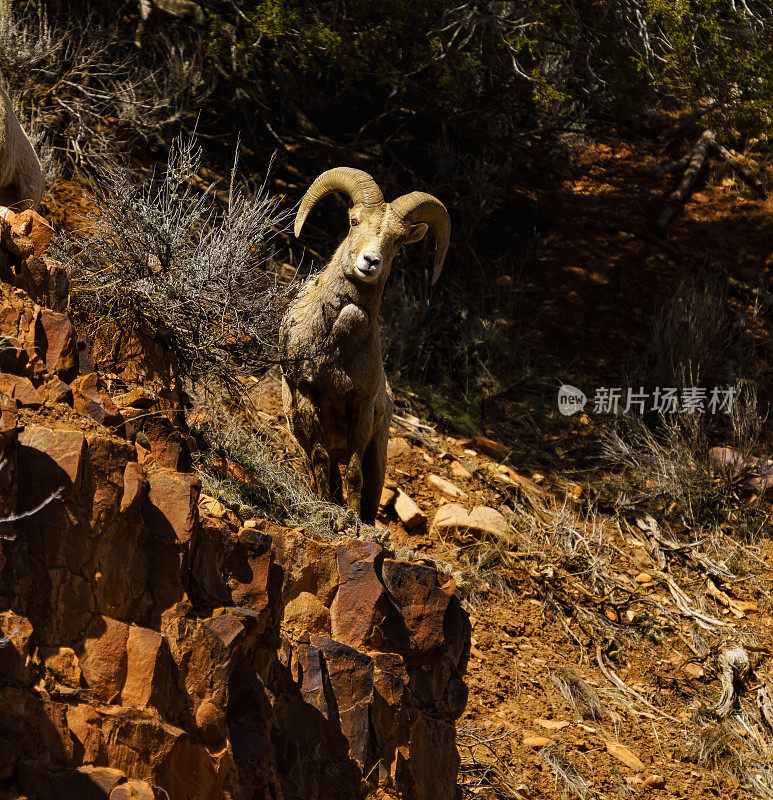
(589, 59)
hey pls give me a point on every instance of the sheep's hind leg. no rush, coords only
(320, 469)
(360, 427)
(373, 473)
(353, 485)
(336, 485)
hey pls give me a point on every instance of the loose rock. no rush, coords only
(624, 755)
(447, 489)
(408, 511)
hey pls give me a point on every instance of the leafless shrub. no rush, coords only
(582, 698)
(577, 543)
(482, 355)
(671, 464)
(695, 340)
(42, 142)
(92, 92)
(27, 40)
(667, 468)
(564, 771)
(171, 259)
(717, 746)
(734, 746)
(484, 771)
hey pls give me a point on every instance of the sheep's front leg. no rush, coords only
(360, 427)
(307, 429)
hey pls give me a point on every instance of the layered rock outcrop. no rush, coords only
(153, 644)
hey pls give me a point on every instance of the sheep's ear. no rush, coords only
(417, 233)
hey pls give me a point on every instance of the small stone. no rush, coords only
(57, 391)
(475, 653)
(30, 224)
(408, 511)
(211, 506)
(535, 741)
(551, 724)
(306, 613)
(91, 398)
(624, 755)
(643, 578)
(211, 723)
(398, 447)
(133, 789)
(444, 487)
(139, 397)
(21, 390)
(694, 670)
(387, 498)
(62, 663)
(481, 520)
(586, 728)
(460, 472)
(654, 782)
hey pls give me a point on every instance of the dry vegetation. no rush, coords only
(631, 553)
(185, 261)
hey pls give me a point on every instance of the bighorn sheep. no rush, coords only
(335, 393)
(21, 176)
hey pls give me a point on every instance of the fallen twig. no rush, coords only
(16, 517)
(697, 160)
(618, 683)
(742, 171)
(694, 164)
(735, 669)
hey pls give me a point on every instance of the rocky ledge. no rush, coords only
(155, 645)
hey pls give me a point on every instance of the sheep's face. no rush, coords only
(375, 235)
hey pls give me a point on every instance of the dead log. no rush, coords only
(694, 163)
(743, 171)
(698, 158)
(735, 667)
(765, 705)
(672, 166)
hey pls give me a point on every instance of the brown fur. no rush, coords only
(21, 176)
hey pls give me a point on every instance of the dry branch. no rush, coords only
(662, 544)
(742, 171)
(672, 166)
(619, 684)
(698, 158)
(694, 164)
(735, 666)
(765, 705)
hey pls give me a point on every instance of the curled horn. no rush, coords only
(422, 207)
(355, 183)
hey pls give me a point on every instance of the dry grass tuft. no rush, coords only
(583, 699)
(566, 773)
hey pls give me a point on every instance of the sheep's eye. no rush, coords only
(353, 221)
